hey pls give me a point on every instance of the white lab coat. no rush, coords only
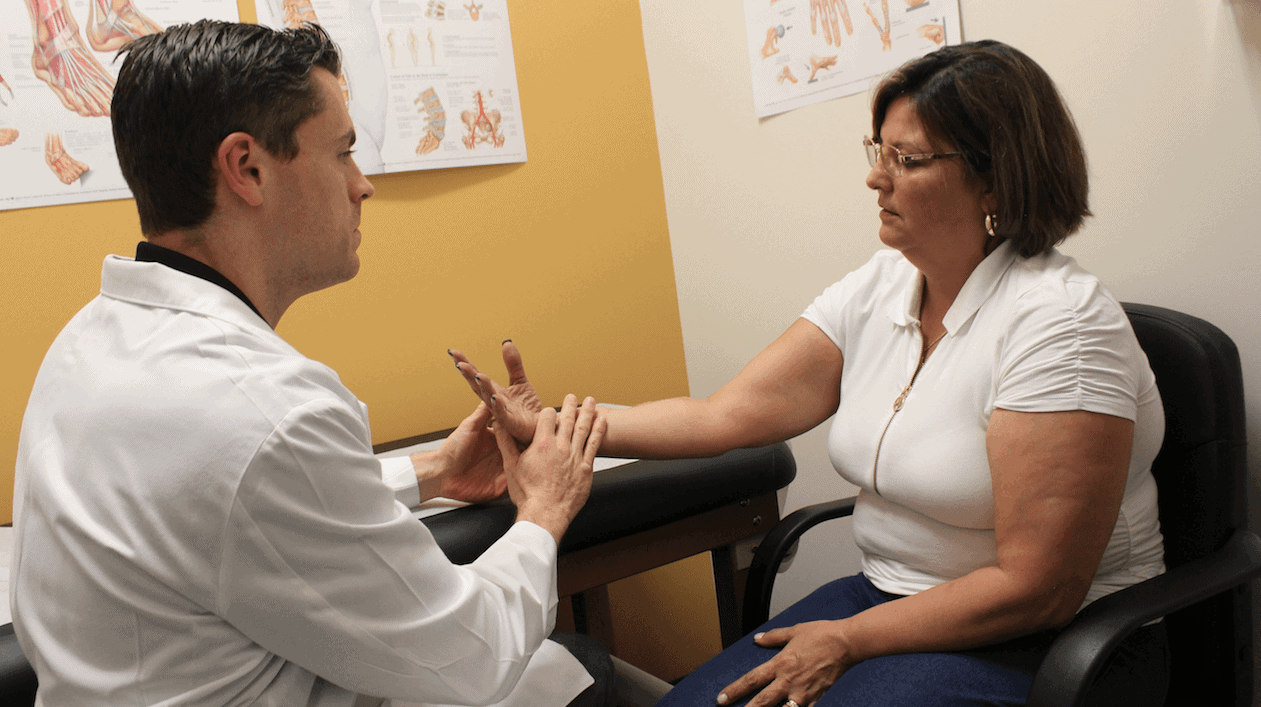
(199, 520)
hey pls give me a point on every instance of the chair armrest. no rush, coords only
(771, 551)
(1078, 654)
(17, 679)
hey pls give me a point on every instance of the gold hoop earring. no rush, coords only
(990, 220)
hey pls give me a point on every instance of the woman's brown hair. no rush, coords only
(1001, 110)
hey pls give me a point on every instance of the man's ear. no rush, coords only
(238, 161)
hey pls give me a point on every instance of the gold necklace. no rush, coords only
(897, 405)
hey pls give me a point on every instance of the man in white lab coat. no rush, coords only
(199, 518)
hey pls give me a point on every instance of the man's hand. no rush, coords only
(516, 407)
(812, 658)
(467, 467)
(549, 482)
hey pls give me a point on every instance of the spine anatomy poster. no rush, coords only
(429, 83)
(806, 51)
(57, 73)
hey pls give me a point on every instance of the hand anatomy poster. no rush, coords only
(807, 51)
(429, 83)
(57, 73)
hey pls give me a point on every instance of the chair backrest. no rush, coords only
(1201, 472)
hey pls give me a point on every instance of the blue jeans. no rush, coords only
(1000, 674)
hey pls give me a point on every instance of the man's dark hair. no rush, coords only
(181, 92)
(1000, 109)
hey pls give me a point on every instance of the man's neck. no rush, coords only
(223, 253)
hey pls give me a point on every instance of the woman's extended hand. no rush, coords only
(813, 657)
(516, 406)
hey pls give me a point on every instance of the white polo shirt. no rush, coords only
(1024, 334)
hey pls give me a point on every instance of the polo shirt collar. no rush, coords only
(976, 290)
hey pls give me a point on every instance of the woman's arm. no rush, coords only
(1058, 480)
(790, 387)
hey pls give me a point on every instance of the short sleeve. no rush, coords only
(1069, 347)
(830, 310)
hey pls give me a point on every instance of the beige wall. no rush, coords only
(568, 254)
(764, 215)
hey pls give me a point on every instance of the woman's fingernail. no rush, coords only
(722, 699)
(492, 400)
(758, 636)
(504, 342)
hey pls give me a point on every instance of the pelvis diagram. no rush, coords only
(482, 125)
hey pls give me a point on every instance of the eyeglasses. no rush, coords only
(893, 161)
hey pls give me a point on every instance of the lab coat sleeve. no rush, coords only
(400, 475)
(323, 567)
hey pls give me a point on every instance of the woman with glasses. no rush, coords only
(991, 403)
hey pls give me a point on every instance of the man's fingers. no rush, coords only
(568, 415)
(512, 362)
(582, 425)
(478, 419)
(507, 446)
(594, 439)
(545, 428)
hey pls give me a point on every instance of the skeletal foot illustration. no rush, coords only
(933, 33)
(4, 87)
(7, 136)
(61, 61)
(772, 37)
(67, 168)
(111, 24)
(817, 65)
(827, 12)
(786, 74)
(886, 41)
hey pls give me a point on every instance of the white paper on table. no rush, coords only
(434, 506)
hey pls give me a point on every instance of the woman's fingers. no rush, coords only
(512, 362)
(752, 680)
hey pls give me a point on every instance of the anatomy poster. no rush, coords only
(806, 51)
(57, 74)
(429, 83)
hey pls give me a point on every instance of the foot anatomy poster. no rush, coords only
(806, 51)
(429, 83)
(57, 74)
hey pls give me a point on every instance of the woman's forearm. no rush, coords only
(984, 607)
(668, 429)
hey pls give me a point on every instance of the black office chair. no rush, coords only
(1201, 473)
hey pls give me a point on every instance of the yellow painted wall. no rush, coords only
(567, 254)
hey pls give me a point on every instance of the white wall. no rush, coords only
(764, 215)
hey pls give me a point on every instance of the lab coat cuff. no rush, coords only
(400, 475)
